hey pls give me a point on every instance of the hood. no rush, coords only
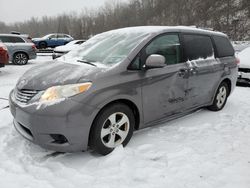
(66, 48)
(36, 39)
(56, 73)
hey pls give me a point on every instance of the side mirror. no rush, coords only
(155, 61)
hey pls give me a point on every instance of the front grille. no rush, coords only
(24, 95)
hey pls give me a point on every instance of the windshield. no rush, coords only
(47, 36)
(108, 48)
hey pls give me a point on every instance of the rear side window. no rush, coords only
(223, 46)
(197, 47)
(17, 40)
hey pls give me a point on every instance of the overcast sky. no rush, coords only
(21, 10)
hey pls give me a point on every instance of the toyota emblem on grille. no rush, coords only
(21, 84)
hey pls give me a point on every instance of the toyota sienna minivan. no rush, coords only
(120, 81)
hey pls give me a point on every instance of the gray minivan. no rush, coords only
(120, 81)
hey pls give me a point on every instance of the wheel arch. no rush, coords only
(228, 82)
(43, 41)
(127, 102)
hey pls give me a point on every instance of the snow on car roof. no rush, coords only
(162, 29)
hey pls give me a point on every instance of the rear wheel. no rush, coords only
(20, 58)
(220, 97)
(113, 127)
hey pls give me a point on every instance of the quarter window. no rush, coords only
(197, 47)
(223, 46)
(166, 45)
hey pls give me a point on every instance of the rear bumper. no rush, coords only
(62, 127)
(32, 55)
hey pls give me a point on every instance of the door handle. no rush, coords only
(183, 72)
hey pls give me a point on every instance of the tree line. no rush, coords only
(229, 16)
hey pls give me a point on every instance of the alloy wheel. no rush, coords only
(221, 96)
(115, 129)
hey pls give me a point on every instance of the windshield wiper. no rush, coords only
(85, 61)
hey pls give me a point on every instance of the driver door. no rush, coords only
(164, 89)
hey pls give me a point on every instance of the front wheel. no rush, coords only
(113, 127)
(220, 97)
(42, 45)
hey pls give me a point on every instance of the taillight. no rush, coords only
(3, 47)
(34, 46)
(237, 61)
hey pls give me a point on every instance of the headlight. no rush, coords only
(64, 91)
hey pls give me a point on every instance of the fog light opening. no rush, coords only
(58, 139)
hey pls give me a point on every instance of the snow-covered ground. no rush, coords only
(202, 150)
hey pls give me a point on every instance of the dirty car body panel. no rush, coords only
(158, 94)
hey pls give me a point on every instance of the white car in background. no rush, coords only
(244, 67)
(61, 50)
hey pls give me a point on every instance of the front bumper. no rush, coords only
(62, 127)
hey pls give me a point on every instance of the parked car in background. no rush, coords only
(120, 81)
(61, 50)
(20, 49)
(52, 40)
(240, 45)
(4, 57)
(244, 67)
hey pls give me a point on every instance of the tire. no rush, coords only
(42, 45)
(107, 133)
(220, 98)
(20, 58)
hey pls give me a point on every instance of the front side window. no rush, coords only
(167, 46)
(197, 47)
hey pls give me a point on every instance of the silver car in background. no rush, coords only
(20, 48)
(62, 50)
